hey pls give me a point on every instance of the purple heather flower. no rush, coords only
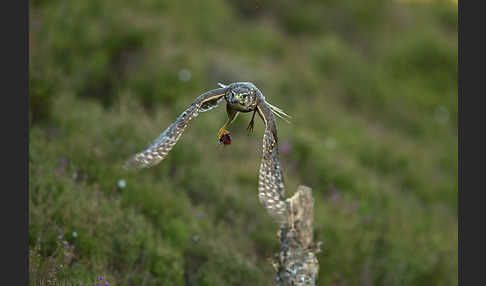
(107, 284)
(62, 164)
(333, 194)
(38, 240)
(285, 147)
(63, 161)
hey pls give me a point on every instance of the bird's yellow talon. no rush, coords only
(222, 132)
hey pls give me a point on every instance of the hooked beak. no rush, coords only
(234, 99)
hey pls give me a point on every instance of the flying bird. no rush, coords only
(240, 97)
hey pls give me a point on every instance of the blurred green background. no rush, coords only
(371, 86)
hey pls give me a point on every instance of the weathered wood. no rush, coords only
(296, 263)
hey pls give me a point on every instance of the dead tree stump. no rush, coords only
(296, 263)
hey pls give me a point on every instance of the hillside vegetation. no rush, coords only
(372, 90)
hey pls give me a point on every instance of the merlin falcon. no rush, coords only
(240, 97)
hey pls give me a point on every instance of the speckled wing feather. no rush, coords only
(158, 149)
(271, 191)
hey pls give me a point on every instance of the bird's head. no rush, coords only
(241, 96)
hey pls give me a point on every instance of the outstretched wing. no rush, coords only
(271, 191)
(158, 149)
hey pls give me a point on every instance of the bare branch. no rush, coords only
(296, 263)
